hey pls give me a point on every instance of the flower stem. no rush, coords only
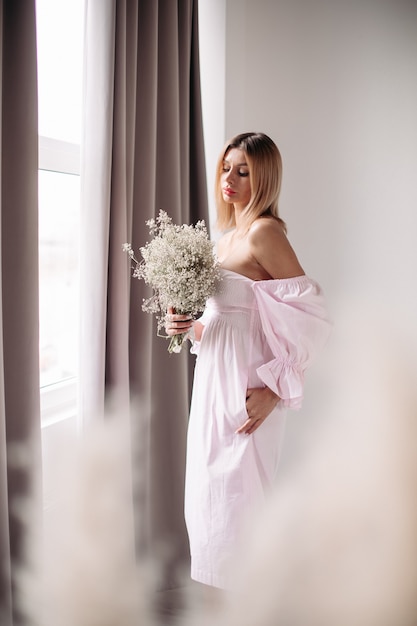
(176, 343)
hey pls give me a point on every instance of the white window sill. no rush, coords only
(58, 402)
(59, 156)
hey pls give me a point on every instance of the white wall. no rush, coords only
(212, 35)
(335, 84)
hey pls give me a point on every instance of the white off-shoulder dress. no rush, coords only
(256, 334)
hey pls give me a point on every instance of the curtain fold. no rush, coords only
(143, 151)
(19, 310)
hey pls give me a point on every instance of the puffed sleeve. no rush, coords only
(296, 325)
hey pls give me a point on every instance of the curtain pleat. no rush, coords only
(96, 165)
(19, 317)
(154, 140)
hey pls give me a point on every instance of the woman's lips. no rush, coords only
(228, 192)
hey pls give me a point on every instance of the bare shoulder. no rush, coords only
(271, 248)
(266, 228)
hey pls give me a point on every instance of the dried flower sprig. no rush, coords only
(180, 266)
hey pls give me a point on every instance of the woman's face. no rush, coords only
(235, 179)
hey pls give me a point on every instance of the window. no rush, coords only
(60, 58)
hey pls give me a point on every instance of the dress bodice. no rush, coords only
(235, 294)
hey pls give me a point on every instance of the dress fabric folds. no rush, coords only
(256, 334)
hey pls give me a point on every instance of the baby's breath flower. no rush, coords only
(128, 248)
(180, 266)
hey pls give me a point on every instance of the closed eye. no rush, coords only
(242, 173)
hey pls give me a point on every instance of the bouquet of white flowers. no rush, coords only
(180, 265)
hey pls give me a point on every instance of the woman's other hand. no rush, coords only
(260, 402)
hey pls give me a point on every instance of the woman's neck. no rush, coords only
(239, 210)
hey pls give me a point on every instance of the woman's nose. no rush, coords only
(229, 176)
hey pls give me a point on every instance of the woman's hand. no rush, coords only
(259, 404)
(176, 324)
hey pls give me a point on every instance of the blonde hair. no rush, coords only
(265, 175)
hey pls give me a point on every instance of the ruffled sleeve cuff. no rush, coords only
(195, 344)
(195, 347)
(286, 379)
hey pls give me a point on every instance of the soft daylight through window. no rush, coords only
(60, 54)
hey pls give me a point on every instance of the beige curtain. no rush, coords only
(142, 151)
(19, 338)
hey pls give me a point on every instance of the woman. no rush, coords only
(253, 343)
